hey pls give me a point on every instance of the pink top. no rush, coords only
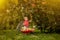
(26, 23)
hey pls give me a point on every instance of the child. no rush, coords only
(26, 28)
(25, 24)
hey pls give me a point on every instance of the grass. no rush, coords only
(14, 35)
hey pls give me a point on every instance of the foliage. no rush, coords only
(39, 11)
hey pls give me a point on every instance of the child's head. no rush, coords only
(25, 18)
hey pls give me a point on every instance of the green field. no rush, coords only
(14, 35)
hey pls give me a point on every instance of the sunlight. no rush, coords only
(2, 3)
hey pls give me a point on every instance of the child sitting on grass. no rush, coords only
(26, 25)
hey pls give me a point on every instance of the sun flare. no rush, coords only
(2, 3)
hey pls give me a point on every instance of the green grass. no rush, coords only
(14, 35)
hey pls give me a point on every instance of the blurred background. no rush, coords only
(45, 14)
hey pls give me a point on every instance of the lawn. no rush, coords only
(14, 35)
